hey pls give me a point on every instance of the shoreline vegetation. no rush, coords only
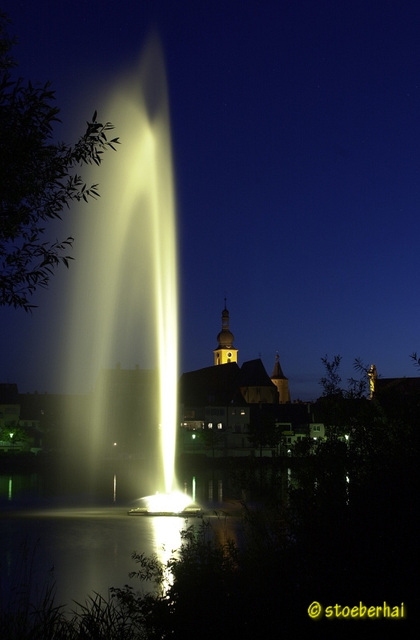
(208, 588)
(324, 540)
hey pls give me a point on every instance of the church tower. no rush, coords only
(225, 351)
(282, 383)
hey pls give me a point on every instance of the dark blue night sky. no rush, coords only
(296, 133)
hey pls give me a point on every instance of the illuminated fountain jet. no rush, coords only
(128, 285)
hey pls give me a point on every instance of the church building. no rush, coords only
(221, 404)
(249, 384)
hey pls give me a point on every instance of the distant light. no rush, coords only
(193, 436)
(115, 444)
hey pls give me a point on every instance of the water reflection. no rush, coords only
(87, 536)
(21, 486)
(167, 538)
(88, 539)
(194, 489)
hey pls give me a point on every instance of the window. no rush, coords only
(210, 425)
(219, 425)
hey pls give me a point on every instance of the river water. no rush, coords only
(53, 530)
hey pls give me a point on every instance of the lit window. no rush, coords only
(219, 425)
(210, 425)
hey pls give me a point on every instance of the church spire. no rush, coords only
(282, 383)
(225, 351)
(277, 371)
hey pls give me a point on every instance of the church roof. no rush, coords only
(216, 385)
(225, 336)
(253, 374)
(277, 371)
(225, 339)
(221, 384)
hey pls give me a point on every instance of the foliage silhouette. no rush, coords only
(38, 179)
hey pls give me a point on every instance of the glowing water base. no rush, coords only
(126, 296)
(167, 504)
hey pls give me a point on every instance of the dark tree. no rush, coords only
(38, 179)
(263, 431)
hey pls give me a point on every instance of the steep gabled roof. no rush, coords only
(277, 371)
(253, 374)
(215, 385)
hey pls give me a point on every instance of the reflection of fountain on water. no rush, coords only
(125, 301)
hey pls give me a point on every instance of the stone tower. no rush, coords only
(282, 383)
(225, 351)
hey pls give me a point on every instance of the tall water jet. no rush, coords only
(125, 296)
